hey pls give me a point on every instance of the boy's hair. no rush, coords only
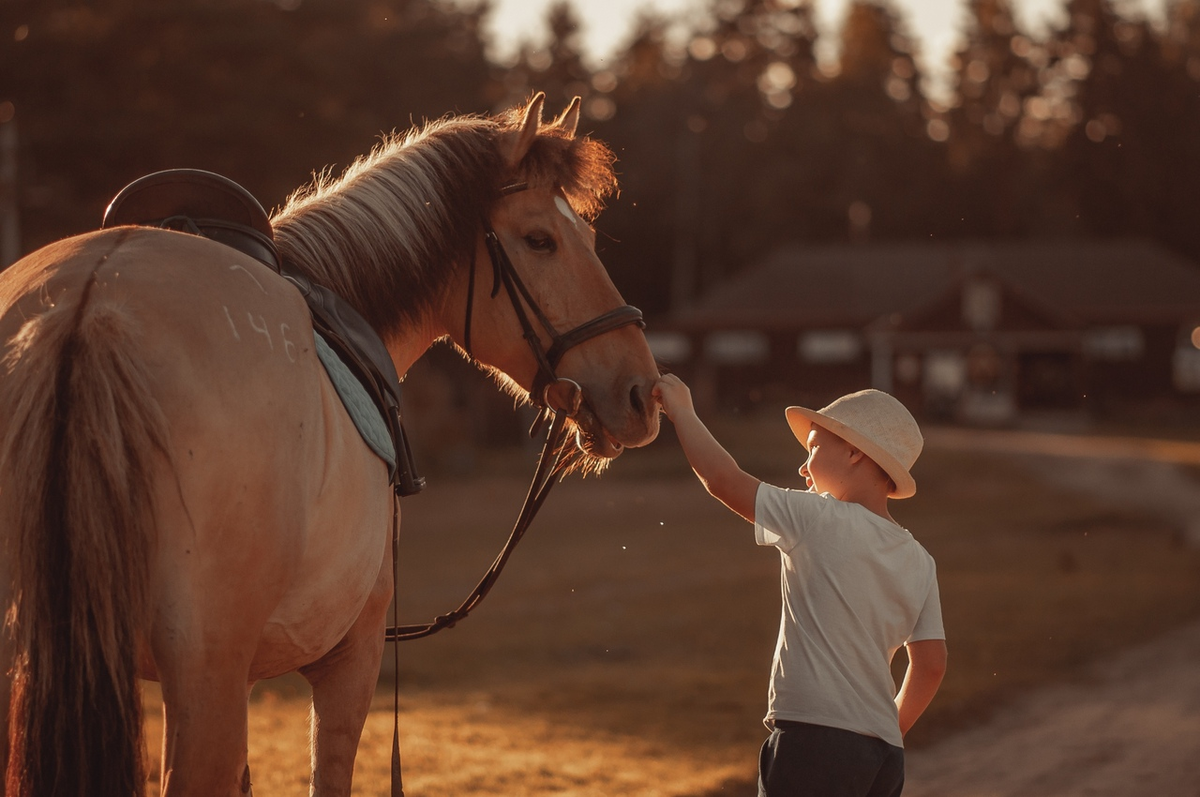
(876, 424)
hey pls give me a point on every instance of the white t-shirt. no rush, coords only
(855, 588)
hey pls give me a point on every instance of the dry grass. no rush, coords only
(626, 649)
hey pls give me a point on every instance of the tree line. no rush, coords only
(733, 139)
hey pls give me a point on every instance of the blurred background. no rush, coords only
(995, 219)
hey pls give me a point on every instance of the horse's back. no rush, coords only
(227, 343)
(261, 497)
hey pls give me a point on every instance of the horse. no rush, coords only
(183, 496)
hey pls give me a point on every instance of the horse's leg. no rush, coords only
(204, 732)
(203, 641)
(343, 685)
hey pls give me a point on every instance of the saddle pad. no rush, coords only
(358, 403)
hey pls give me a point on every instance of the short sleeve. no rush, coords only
(782, 517)
(929, 622)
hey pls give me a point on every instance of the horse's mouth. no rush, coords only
(592, 438)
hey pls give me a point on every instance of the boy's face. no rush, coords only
(827, 469)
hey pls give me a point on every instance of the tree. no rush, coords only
(884, 172)
(641, 233)
(996, 90)
(556, 69)
(740, 80)
(263, 92)
(1180, 205)
(1110, 75)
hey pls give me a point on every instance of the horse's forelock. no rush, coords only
(582, 167)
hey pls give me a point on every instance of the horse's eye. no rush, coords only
(540, 242)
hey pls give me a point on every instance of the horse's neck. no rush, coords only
(407, 345)
(407, 335)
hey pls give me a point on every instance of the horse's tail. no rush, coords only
(78, 458)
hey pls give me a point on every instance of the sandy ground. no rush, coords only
(1129, 727)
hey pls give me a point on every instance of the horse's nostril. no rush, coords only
(635, 400)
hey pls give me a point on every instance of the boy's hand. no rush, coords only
(673, 395)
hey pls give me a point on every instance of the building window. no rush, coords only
(737, 347)
(671, 347)
(1114, 344)
(945, 373)
(829, 346)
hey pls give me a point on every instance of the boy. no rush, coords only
(856, 586)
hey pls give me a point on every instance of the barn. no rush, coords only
(976, 331)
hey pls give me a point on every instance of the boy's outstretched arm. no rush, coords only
(718, 471)
(926, 667)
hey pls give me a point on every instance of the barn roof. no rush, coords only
(1097, 282)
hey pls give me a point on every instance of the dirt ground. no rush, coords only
(626, 648)
(1128, 726)
(1124, 725)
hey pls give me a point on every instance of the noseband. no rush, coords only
(503, 273)
(557, 405)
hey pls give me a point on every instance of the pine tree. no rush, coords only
(996, 78)
(886, 169)
(264, 92)
(1108, 85)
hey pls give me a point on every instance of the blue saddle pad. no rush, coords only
(358, 403)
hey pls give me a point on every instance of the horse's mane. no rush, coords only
(387, 234)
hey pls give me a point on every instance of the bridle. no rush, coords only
(558, 399)
(504, 274)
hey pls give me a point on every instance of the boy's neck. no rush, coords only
(872, 498)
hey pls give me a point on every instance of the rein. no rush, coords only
(554, 409)
(547, 393)
(505, 274)
(549, 465)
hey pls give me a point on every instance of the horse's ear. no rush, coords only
(529, 130)
(569, 120)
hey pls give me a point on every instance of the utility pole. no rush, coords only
(10, 230)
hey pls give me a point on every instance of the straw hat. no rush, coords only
(876, 424)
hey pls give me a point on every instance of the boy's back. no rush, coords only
(855, 585)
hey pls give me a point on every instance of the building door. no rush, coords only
(1048, 380)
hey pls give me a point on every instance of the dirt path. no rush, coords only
(1127, 728)
(1143, 474)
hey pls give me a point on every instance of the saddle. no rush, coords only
(215, 207)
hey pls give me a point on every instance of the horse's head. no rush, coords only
(541, 306)
(508, 200)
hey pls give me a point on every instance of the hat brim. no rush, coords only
(801, 420)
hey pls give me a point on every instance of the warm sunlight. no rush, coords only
(606, 25)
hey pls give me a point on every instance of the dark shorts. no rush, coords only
(803, 760)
